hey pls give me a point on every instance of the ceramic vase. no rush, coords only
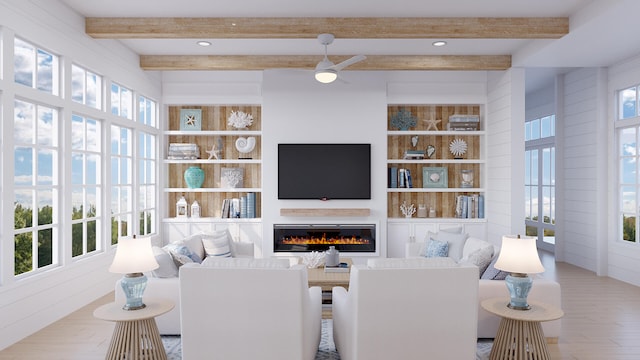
(332, 257)
(194, 177)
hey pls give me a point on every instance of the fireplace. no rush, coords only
(318, 237)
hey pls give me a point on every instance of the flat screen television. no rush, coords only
(324, 171)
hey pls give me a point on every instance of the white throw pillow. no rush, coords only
(167, 267)
(474, 244)
(216, 244)
(194, 243)
(456, 242)
(481, 258)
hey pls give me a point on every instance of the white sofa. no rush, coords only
(543, 290)
(407, 309)
(164, 283)
(249, 309)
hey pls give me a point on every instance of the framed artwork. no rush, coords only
(231, 177)
(190, 119)
(435, 177)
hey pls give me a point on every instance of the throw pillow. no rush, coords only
(456, 242)
(217, 244)
(437, 248)
(194, 243)
(166, 266)
(472, 245)
(492, 273)
(481, 258)
(181, 254)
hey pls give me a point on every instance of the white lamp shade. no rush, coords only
(519, 255)
(133, 255)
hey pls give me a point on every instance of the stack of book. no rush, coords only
(179, 151)
(399, 178)
(464, 123)
(470, 206)
(414, 154)
(242, 207)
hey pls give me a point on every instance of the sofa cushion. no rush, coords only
(472, 245)
(217, 244)
(245, 263)
(194, 243)
(436, 248)
(492, 273)
(401, 263)
(181, 254)
(456, 242)
(480, 258)
(166, 266)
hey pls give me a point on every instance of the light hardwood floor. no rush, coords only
(601, 322)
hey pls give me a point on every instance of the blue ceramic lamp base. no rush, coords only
(133, 285)
(519, 286)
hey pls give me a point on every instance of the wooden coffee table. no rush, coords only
(326, 281)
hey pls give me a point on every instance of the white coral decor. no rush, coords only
(240, 119)
(407, 211)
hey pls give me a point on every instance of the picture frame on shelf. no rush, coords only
(232, 177)
(435, 177)
(190, 119)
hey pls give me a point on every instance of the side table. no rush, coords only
(520, 335)
(136, 335)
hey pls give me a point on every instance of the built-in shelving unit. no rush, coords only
(214, 131)
(440, 196)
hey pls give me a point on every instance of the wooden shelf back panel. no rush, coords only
(325, 212)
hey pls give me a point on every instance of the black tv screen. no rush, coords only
(324, 171)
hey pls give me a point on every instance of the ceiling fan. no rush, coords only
(326, 71)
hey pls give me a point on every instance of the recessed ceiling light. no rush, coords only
(439, 43)
(203, 43)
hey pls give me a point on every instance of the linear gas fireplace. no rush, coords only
(318, 237)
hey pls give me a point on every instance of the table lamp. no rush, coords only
(133, 257)
(519, 256)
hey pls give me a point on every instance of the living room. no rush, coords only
(295, 109)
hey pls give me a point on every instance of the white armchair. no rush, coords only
(249, 309)
(407, 309)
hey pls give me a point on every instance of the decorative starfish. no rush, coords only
(191, 120)
(432, 124)
(213, 153)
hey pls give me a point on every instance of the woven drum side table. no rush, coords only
(136, 335)
(520, 335)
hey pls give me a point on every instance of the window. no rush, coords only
(121, 182)
(36, 208)
(147, 112)
(86, 180)
(35, 67)
(147, 183)
(86, 87)
(121, 101)
(540, 180)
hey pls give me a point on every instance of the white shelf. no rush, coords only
(215, 132)
(436, 161)
(207, 161)
(181, 220)
(402, 220)
(435, 190)
(436, 133)
(212, 190)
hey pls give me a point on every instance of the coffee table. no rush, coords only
(326, 281)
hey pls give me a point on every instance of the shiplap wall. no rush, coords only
(505, 154)
(580, 145)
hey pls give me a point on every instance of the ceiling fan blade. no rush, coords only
(348, 62)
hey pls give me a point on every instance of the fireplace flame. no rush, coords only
(313, 240)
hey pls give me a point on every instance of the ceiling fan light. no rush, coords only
(326, 76)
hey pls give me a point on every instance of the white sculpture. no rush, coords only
(240, 119)
(407, 211)
(246, 145)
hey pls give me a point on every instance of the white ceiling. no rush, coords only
(602, 32)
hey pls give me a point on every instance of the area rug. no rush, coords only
(327, 349)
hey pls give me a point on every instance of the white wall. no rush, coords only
(505, 167)
(28, 304)
(584, 144)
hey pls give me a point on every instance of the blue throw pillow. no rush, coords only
(437, 248)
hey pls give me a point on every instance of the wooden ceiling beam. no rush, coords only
(376, 62)
(342, 28)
